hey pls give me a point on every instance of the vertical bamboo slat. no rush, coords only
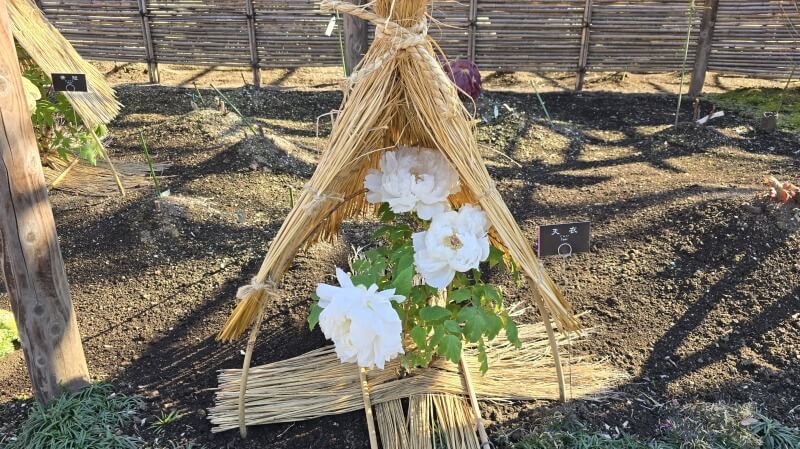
(473, 24)
(584, 56)
(152, 65)
(251, 33)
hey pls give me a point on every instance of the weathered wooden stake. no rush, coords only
(32, 266)
(473, 31)
(152, 65)
(703, 51)
(251, 33)
(583, 57)
(355, 39)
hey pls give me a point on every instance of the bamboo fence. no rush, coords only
(751, 37)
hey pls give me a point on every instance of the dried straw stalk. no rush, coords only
(400, 96)
(317, 384)
(79, 177)
(54, 54)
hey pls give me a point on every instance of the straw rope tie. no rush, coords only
(491, 188)
(319, 199)
(266, 288)
(413, 40)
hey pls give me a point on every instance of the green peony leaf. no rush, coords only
(313, 316)
(474, 327)
(403, 281)
(512, 333)
(495, 257)
(450, 347)
(493, 325)
(460, 295)
(434, 313)
(452, 326)
(420, 337)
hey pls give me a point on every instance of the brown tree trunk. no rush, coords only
(32, 266)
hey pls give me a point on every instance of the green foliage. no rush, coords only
(92, 418)
(696, 426)
(473, 311)
(774, 434)
(756, 101)
(164, 420)
(58, 128)
(9, 338)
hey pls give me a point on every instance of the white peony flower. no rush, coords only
(455, 242)
(413, 179)
(364, 327)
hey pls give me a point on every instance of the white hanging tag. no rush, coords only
(331, 26)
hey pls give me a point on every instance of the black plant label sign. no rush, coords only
(69, 82)
(564, 239)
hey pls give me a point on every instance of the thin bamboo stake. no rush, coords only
(373, 437)
(111, 167)
(248, 356)
(473, 400)
(64, 173)
(554, 350)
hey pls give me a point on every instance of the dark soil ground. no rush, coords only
(695, 296)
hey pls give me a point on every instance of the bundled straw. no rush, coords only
(54, 54)
(317, 384)
(79, 177)
(399, 96)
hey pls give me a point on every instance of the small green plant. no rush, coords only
(9, 338)
(774, 434)
(58, 128)
(164, 420)
(95, 417)
(150, 164)
(695, 426)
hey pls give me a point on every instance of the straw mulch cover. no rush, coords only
(54, 54)
(318, 384)
(398, 96)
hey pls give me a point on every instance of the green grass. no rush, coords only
(755, 101)
(164, 420)
(9, 338)
(92, 418)
(697, 426)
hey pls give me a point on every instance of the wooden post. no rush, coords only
(583, 58)
(251, 32)
(152, 65)
(31, 258)
(703, 51)
(355, 40)
(473, 25)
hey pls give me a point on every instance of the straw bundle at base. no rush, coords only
(79, 177)
(54, 54)
(318, 384)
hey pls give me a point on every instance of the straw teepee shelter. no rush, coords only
(399, 95)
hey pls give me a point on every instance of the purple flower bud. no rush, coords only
(464, 73)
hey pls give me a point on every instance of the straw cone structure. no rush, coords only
(54, 54)
(318, 384)
(398, 96)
